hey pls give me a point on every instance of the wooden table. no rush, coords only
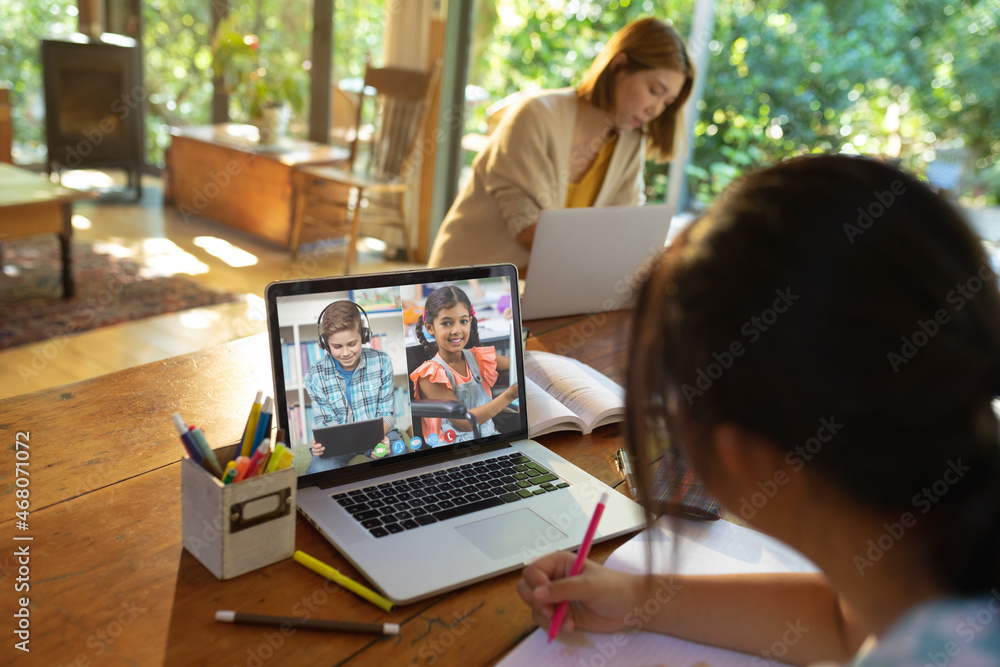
(30, 205)
(221, 173)
(110, 583)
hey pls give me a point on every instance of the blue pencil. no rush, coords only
(263, 423)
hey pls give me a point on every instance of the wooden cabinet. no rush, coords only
(221, 173)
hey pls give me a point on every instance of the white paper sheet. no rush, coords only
(715, 547)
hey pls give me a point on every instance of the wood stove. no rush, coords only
(94, 104)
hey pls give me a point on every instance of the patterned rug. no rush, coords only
(109, 290)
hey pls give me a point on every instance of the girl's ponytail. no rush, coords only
(473, 334)
(965, 551)
(430, 346)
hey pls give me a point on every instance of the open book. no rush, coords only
(568, 395)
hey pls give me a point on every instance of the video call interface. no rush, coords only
(354, 403)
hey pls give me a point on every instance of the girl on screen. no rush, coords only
(460, 368)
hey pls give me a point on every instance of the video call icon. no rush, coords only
(381, 449)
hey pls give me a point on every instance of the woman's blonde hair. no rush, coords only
(648, 43)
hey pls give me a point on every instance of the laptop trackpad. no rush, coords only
(521, 531)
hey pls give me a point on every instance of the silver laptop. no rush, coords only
(592, 260)
(444, 500)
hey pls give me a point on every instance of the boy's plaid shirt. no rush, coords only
(371, 390)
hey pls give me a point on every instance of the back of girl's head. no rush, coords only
(838, 307)
(648, 43)
(440, 299)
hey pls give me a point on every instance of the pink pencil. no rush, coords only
(577, 568)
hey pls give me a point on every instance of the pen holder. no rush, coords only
(238, 527)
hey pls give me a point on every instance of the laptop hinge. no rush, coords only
(421, 462)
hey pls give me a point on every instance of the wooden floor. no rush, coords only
(163, 241)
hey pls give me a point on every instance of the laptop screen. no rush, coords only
(433, 354)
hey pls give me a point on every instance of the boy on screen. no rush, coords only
(351, 382)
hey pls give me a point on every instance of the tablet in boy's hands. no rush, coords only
(354, 438)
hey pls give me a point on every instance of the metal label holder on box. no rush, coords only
(238, 527)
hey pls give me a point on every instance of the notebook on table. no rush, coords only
(592, 260)
(438, 508)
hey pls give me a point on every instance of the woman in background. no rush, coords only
(573, 147)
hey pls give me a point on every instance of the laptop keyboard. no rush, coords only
(405, 504)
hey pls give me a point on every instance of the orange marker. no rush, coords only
(242, 465)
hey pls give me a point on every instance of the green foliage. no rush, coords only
(257, 77)
(357, 32)
(234, 55)
(793, 77)
(177, 69)
(262, 49)
(22, 26)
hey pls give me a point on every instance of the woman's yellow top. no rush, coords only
(583, 193)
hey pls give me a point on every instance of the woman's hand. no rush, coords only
(316, 448)
(600, 599)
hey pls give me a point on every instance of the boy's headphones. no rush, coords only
(366, 331)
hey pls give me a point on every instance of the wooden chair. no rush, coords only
(332, 199)
(343, 117)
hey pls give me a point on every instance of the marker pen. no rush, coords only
(230, 473)
(211, 462)
(250, 430)
(259, 459)
(190, 444)
(263, 423)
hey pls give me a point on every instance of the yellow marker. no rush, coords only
(325, 570)
(285, 461)
(272, 462)
(251, 428)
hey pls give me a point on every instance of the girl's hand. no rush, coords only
(510, 393)
(600, 599)
(316, 448)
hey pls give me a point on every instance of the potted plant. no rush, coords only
(268, 91)
(273, 100)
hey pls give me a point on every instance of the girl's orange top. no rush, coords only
(432, 370)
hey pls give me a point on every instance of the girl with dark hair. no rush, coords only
(830, 329)
(460, 368)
